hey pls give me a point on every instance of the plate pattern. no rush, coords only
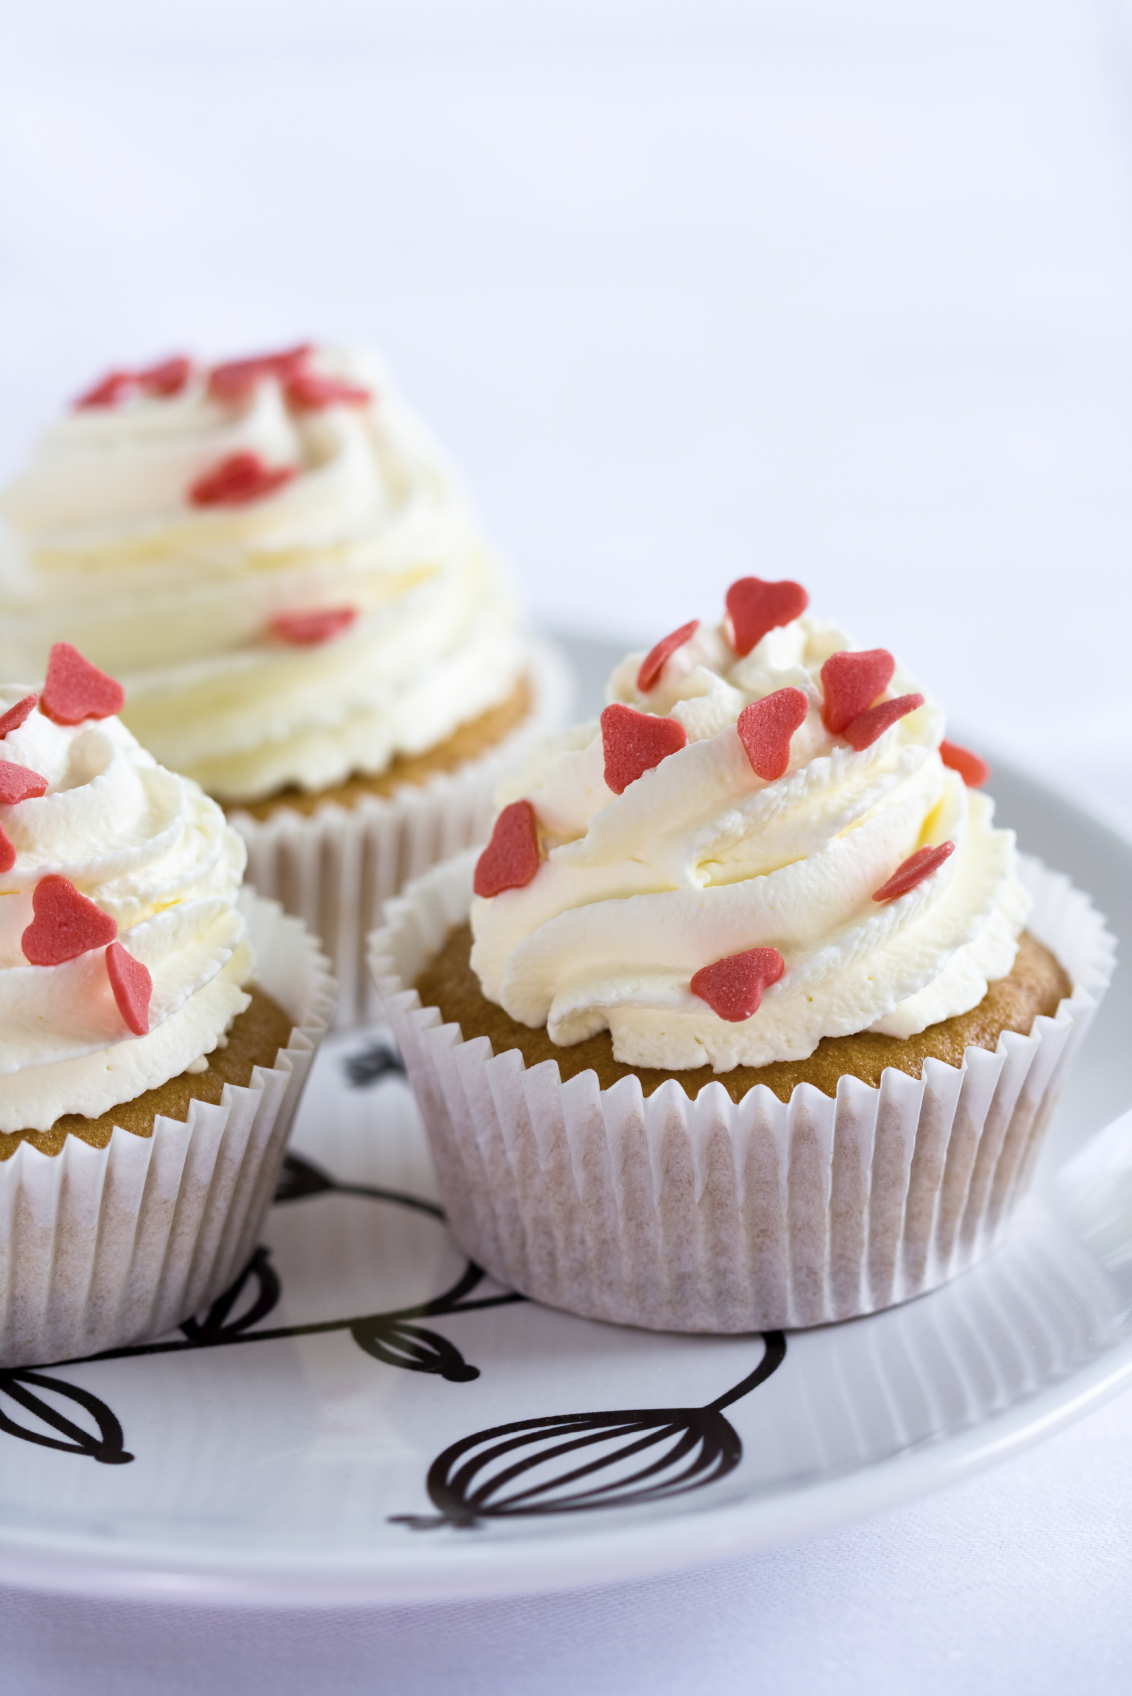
(555, 1464)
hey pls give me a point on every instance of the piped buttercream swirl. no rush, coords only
(700, 859)
(110, 549)
(151, 850)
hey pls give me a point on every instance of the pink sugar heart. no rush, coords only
(913, 871)
(7, 851)
(16, 715)
(733, 987)
(307, 629)
(864, 730)
(636, 742)
(75, 689)
(162, 380)
(308, 392)
(765, 729)
(108, 391)
(165, 379)
(19, 783)
(65, 925)
(972, 768)
(239, 480)
(755, 606)
(511, 858)
(235, 380)
(657, 658)
(132, 986)
(851, 682)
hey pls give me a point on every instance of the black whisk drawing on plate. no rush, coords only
(496, 1474)
(105, 1442)
(527, 1468)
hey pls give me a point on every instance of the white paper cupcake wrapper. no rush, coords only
(100, 1247)
(336, 868)
(709, 1215)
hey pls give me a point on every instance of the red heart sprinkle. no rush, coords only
(66, 924)
(16, 715)
(635, 742)
(20, 783)
(655, 660)
(108, 391)
(755, 607)
(235, 380)
(511, 858)
(914, 870)
(305, 629)
(863, 731)
(972, 768)
(7, 851)
(167, 378)
(75, 689)
(132, 986)
(733, 987)
(309, 392)
(239, 480)
(765, 729)
(851, 682)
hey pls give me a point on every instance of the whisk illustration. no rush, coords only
(562, 1463)
(556, 1464)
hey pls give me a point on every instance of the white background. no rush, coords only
(834, 290)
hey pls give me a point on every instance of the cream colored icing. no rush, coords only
(699, 859)
(152, 851)
(106, 551)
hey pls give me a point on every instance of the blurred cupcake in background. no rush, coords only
(156, 1026)
(283, 569)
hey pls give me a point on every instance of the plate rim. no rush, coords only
(443, 1573)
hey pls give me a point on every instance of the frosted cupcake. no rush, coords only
(283, 570)
(155, 1029)
(748, 1015)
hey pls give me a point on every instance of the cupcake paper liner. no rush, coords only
(708, 1215)
(337, 867)
(100, 1247)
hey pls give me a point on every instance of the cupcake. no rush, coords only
(284, 572)
(747, 1016)
(156, 1026)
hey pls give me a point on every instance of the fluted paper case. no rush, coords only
(711, 1215)
(100, 1247)
(336, 867)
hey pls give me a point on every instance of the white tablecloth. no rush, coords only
(693, 287)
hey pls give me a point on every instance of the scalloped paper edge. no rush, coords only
(100, 1247)
(711, 1215)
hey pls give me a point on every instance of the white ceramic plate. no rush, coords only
(368, 1418)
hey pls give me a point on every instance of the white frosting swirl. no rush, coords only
(176, 600)
(699, 859)
(150, 849)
